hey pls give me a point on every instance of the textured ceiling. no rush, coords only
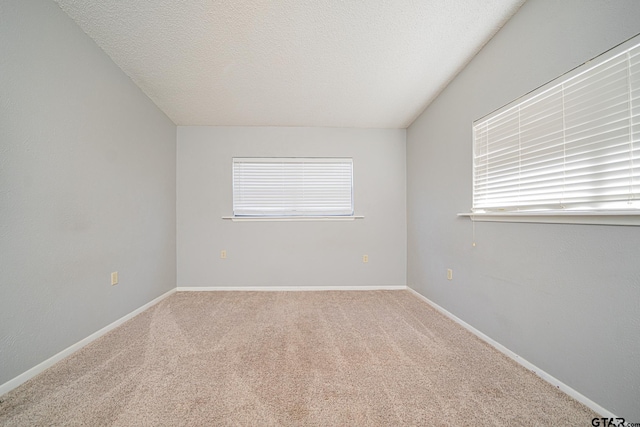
(338, 63)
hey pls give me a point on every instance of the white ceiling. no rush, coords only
(336, 63)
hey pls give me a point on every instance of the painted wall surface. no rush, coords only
(564, 297)
(290, 253)
(87, 187)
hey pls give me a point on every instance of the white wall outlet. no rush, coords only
(114, 278)
(449, 274)
(223, 254)
(365, 258)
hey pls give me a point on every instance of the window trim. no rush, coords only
(558, 217)
(291, 218)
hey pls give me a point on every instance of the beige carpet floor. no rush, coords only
(289, 358)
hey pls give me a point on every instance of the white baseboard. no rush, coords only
(525, 363)
(290, 288)
(22, 378)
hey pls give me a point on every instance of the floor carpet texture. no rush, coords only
(331, 358)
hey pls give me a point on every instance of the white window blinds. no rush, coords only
(573, 144)
(292, 187)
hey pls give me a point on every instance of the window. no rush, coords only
(572, 145)
(292, 187)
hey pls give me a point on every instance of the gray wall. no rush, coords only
(87, 187)
(290, 253)
(564, 297)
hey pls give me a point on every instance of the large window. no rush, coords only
(571, 145)
(292, 187)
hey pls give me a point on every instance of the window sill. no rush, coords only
(560, 217)
(292, 218)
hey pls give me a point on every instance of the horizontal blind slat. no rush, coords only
(292, 186)
(575, 143)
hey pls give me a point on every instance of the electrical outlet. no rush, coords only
(449, 274)
(223, 254)
(114, 278)
(365, 258)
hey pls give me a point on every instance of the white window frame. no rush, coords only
(528, 172)
(292, 188)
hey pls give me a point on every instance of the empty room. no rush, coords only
(330, 213)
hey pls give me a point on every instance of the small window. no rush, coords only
(571, 145)
(292, 187)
